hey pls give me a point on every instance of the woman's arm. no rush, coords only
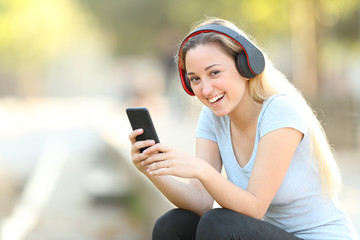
(274, 155)
(275, 152)
(191, 196)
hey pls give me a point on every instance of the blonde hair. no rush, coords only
(270, 82)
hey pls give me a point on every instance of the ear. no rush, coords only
(188, 84)
(242, 66)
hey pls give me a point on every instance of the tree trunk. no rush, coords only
(303, 35)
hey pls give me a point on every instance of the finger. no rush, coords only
(157, 148)
(161, 164)
(161, 171)
(139, 157)
(134, 134)
(143, 144)
(154, 157)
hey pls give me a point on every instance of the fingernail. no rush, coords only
(143, 163)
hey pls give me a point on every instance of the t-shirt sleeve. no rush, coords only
(283, 112)
(206, 126)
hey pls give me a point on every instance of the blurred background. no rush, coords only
(69, 68)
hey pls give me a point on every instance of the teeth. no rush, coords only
(214, 99)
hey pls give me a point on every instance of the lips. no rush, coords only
(216, 98)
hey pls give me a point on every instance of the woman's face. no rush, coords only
(214, 78)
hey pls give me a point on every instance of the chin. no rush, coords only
(219, 113)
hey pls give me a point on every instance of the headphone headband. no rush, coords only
(255, 58)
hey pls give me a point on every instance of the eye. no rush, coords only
(214, 72)
(194, 79)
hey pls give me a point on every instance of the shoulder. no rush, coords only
(281, 111)
(282, 101)
(205, 127)
(207, 115)
(282, 105)
(206, 111)
(211, 126)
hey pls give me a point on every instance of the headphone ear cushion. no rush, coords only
(187, 83)
(243, 66)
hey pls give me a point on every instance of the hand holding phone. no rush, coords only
(140, 118)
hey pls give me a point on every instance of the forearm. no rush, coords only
(230, 196)
(191, 196)
(163, 163)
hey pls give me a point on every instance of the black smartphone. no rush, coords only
(140, 118)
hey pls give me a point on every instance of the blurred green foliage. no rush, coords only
(135, 25)
(31, 30)
(34, 33)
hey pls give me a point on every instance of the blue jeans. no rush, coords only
(216, 224)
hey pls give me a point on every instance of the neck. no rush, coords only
(246, 114)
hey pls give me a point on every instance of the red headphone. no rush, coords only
(249, 63)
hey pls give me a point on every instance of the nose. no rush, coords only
(207, 88)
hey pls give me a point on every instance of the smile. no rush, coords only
(216, 98)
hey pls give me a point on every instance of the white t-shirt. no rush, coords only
(298, 207)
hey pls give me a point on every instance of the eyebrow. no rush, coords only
(207, 68)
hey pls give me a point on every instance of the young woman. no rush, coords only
(282, 180)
